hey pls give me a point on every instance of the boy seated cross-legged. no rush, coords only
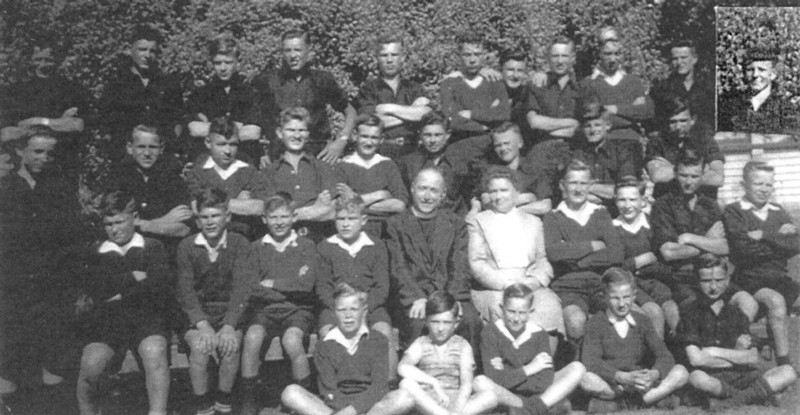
(720, 349)
(353, 257)
(517, 360)
(212, 298)
(126, 292)
(281, 268)
(627, 364)
(351, 363)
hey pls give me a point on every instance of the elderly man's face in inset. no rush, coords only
(761, 75)
(427, 192)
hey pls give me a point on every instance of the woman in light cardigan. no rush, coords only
(506, 246)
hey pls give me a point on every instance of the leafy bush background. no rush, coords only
(94, 34)
(739, 29)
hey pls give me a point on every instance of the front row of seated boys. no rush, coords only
(235, 294)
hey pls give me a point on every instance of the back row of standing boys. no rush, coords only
(339, 236)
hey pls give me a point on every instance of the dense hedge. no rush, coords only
(94, 31)
(740, 29)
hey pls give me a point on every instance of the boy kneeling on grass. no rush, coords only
(628, 364)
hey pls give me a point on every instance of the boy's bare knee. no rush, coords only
(292, 395)
(292, 341)
(255, 334)
(153, 347)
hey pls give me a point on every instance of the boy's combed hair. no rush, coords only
(756, 165)
(629, 181)
(369, 120)
(434, 118)
(388, 39)
(277, 201)
(344, 289)
(618, 276)
(592, 109)
(470, 38)
(577, 165)
(441, 302)
(116, 202)
(296, 34)
(224, 44)
(709, 261)
(349, 204)
(32, 132)
(517, 290)
(689, 157)
(513, 55)
(212, 197)
(497, 173)
(223, 126)
(506, 126)
(145, 32)
(294, 114)
(146, 129)
(677, 105)
(563, 40)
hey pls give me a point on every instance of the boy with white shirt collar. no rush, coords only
(353, 257)
(617, 352)
(517, 360)
(212, 298)
(351, 362)
(281, 269)
(762, 237)
(653, 295)
(126, 289)
(581, 243)
(245, 186)
(375, 178)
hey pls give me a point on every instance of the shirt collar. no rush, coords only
(762, 213)
(638, 223)
(628, 318)
(362, 241)
(282, 245)
(213, 251)
(359, 161)
(526, 334)
(581, 215)
(136, 242)
(612, 80)
(351, 345)
(224, 173)
(552, 79)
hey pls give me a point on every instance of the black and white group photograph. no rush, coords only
(422, 207)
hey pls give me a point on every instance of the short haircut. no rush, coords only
(294, 114)
(505, 127)
(224, 44)
(30, 133)
(677, 105)
(577, 165)
(344, 289)
(116, 202)
(756, 165)
(618, 276)
(354, 204)
(689, 157)
(685, 43)
(144, 129)
(430, 170)
(441, 302)
(591, 108)
(223, 126)
(387, 39)
(470, 38)
(517, 290)
(369, 120)
(513, 55)
(296, 34)
(498, 173)
(562, 40)
(710, 261)
(630, 181)
(761, 54)
(211, 197)
(145, 32)
(277, 201)
(608, 33)
(434, 118)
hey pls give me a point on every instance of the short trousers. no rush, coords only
(120, 330)
(652, 291)
(785, 285)
(583, 289)
(379, 315)
(738, 378)
(278, 320)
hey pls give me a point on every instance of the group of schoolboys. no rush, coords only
(290, 242)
